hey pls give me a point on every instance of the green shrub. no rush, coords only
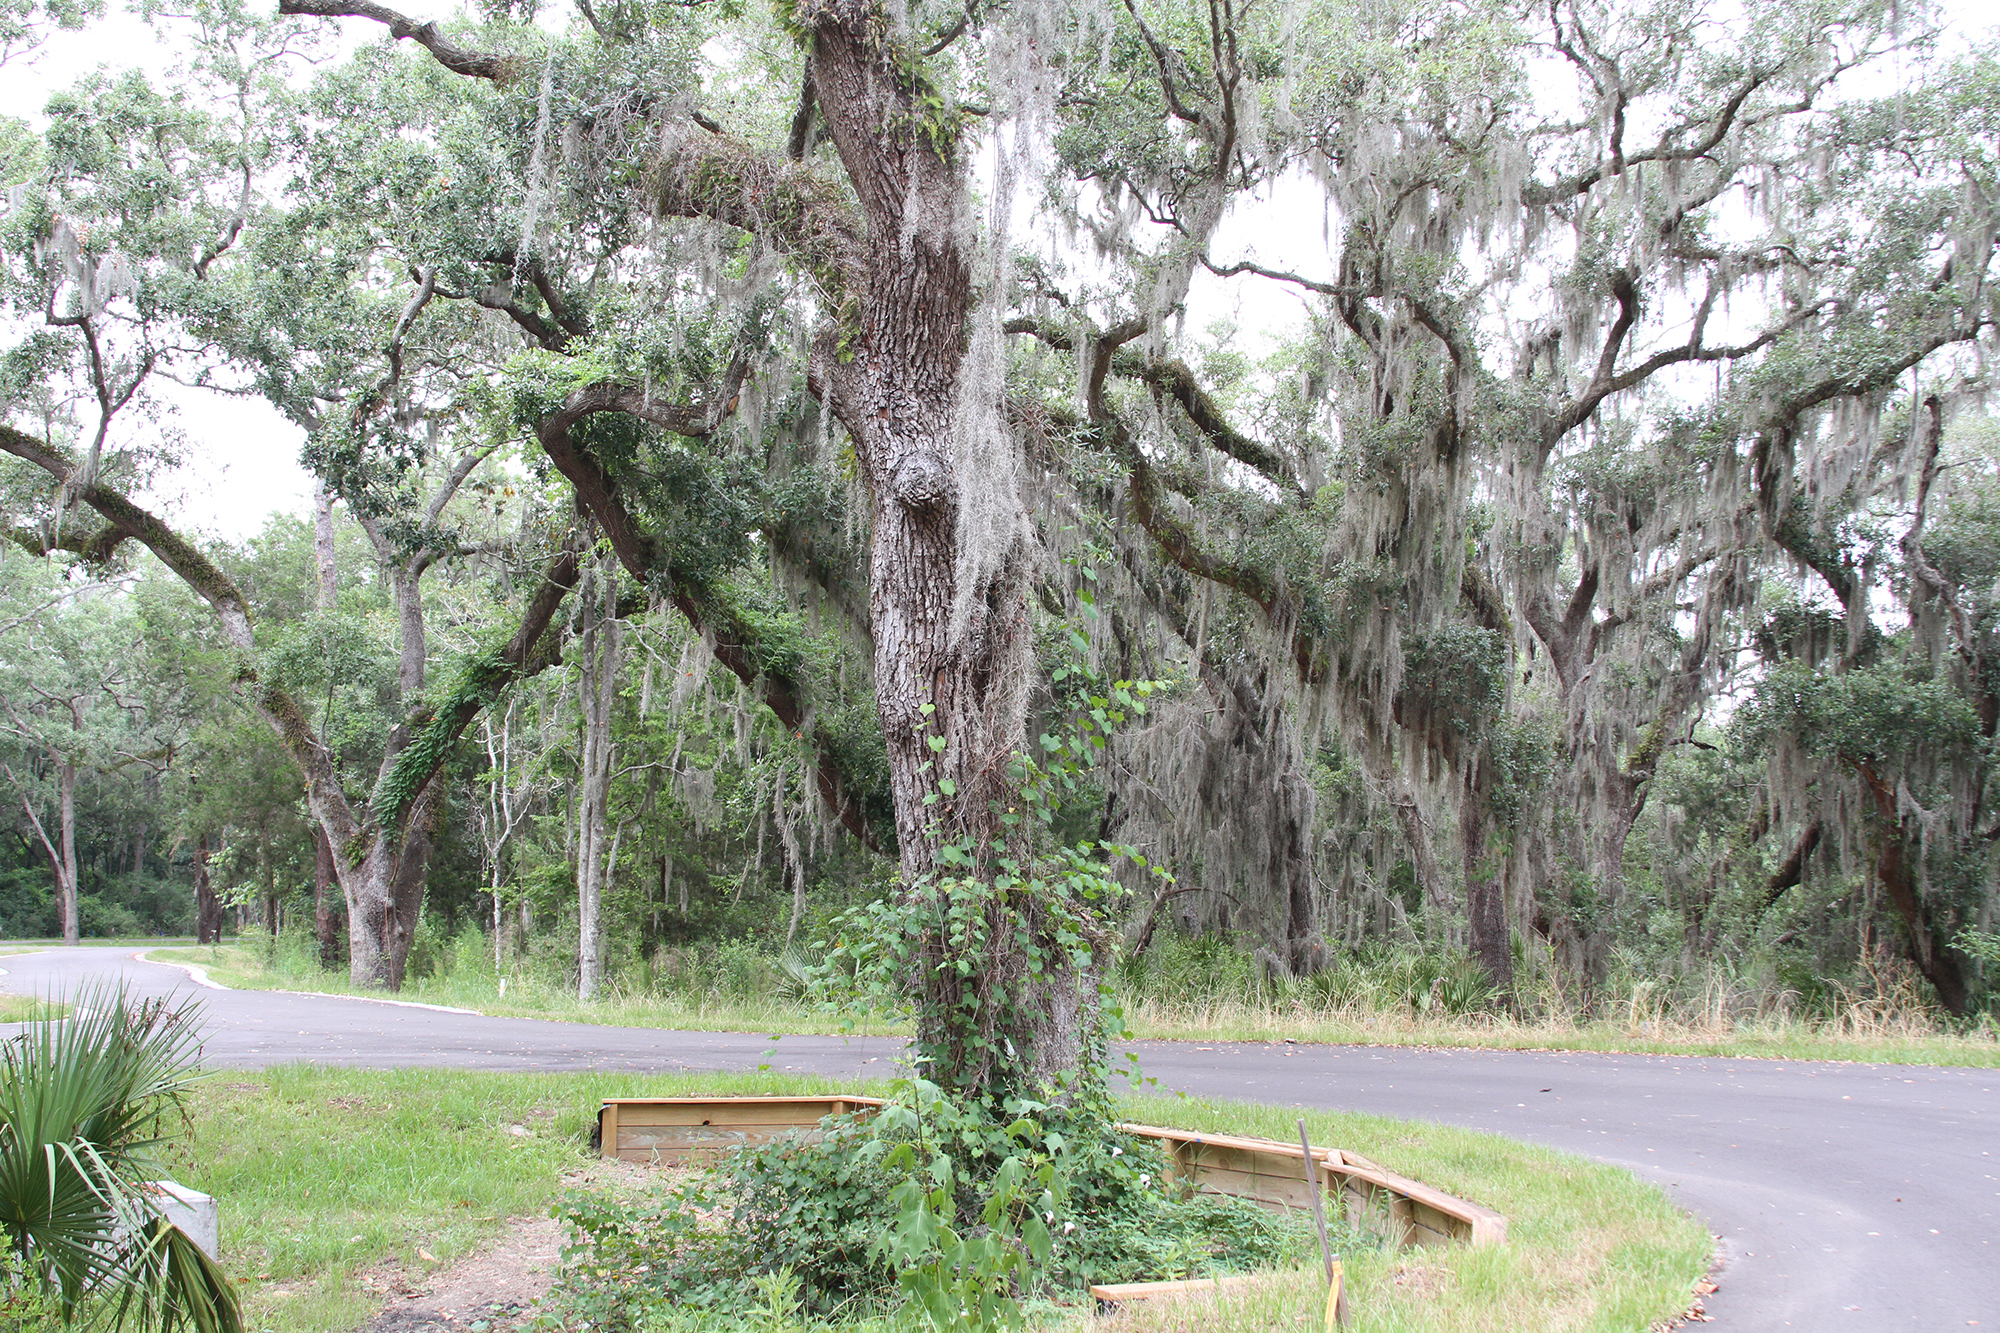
(100, 919)
(948, 1204)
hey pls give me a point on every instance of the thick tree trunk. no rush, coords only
(208, 914)
(1485, 886)
(916, 383)
(384, 890)
(1897, 850)
(1934, 957)
(326, 915)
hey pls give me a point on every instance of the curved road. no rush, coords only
(1848, 1197)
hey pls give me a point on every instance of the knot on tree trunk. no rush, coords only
(921, 482)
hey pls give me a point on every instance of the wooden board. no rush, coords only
(1115, 1292)
(672, 1131)
(1425, 1208)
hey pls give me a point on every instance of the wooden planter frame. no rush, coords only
(674, 1131)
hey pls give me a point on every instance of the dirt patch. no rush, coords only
(495, 1290)
(488, 1292)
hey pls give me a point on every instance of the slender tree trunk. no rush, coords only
(326, 915)
(599, 687)
(327, 581)
(271, 923)
(72, 927)
(1423, 859)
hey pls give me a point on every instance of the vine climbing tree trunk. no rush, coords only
(918, 386)
(911, 364)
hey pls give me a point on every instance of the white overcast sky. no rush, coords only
(245, 457)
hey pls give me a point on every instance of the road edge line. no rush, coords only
(370, 999)
(200, 977)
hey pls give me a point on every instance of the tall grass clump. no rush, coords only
(1209, 988)
(1206, 989)
(86, 1105)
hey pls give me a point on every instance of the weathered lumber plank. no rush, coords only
(1118, 1292)
(677, 1130)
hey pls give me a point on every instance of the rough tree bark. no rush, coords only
(207, 907)
(950, 556)
(950, 553)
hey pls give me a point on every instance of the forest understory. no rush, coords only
(1204, 992)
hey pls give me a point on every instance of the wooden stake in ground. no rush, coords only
(1336, 1293)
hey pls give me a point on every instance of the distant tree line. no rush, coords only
(758, 474)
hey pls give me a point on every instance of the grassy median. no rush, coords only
(333, 1182)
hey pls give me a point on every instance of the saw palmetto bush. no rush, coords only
(87, 1103)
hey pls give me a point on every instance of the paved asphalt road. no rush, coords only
(1847, 1197)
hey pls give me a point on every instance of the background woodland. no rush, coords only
(1535, 457)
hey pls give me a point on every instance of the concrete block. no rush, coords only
(190, 1210)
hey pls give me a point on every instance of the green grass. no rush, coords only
(245, 968)
(1856, 1036)
(27, 1009)
(327, 1175)
(88, 942)
(1589, 1247)
(1850, 1038)
(324, 1175)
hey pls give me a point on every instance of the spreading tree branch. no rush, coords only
(472, 64)
(1176, 381)
(737, 645)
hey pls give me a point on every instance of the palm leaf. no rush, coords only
(86, 1102)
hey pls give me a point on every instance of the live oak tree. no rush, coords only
(1502, 491)
(870, 341)
(124, 251)
(1345, 529)
(904, 356)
